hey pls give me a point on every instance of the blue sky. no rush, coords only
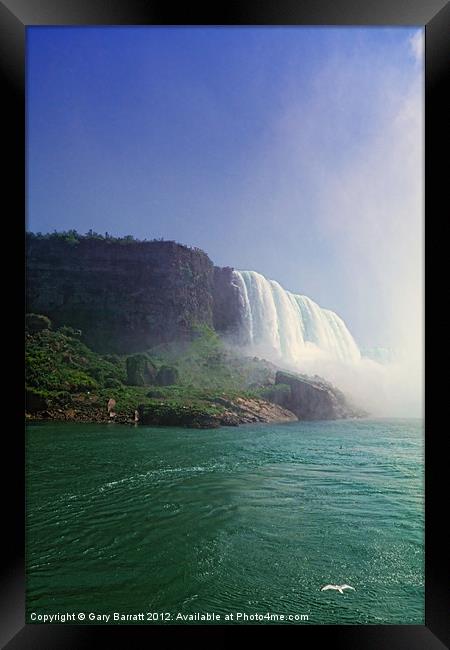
(295, 152)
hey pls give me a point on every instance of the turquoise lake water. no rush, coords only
(251, 520)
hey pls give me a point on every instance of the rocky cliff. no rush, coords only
(127, 297)
(226, 303)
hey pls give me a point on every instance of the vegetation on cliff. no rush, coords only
(73, 237)
(206, 362)
(197, 383)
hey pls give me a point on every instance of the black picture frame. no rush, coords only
(15, 17)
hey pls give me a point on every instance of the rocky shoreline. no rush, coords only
(289, 399)
(224, 412)
(67, 415)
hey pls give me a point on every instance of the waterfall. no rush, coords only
(287, 325)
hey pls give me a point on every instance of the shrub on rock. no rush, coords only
(36, 323)
(70, 331)
(111, 382)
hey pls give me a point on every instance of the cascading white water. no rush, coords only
(290, 326)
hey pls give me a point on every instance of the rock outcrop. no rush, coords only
(34, 401)
(140, 370)
(226, 303)
(247, 410)
(313, 398)
(223, 412)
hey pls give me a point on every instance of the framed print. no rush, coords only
(224, 274)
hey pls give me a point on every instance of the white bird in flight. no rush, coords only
(339, 588)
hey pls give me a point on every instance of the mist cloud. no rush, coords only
(349, 153)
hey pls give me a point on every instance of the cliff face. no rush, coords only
(123, 297)
(226, 305)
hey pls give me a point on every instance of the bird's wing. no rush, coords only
(348, 587)
(328, 587)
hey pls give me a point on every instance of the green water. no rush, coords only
(249, 520)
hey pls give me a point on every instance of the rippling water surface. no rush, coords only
(253, 519)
